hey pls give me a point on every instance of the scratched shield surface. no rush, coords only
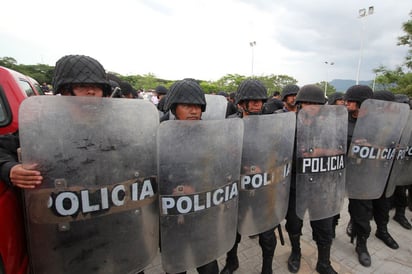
(266, 171)
(198, 169)
(373, 147)
(96, 210)
(321, 132)
(400, 173)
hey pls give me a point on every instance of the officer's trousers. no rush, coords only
(400, 200)
(322, 230)
(381, 207)
(361, 213)
(267, 242)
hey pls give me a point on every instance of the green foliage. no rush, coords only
(329, 88)
(40, 72)
(398, 80)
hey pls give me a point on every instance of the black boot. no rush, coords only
(383, 234)
(363, 253)
(401, 219)
(294, 258)
(232, 262)
(267, 265)
(323, 266)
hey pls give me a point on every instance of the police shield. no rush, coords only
(266, 171)
(96, 210)
(400, 173)
(321, 136)
(373, 147)
(215, 107)
(198, 165)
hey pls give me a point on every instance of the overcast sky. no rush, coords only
(209, 39)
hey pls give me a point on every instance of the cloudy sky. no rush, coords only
(207, 39)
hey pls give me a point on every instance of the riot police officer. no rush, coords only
(186, 101)
(359, 210)
(251, 95)
(322, 230)
(74, 75)
(161, 92)
(336, 99)
(288, 97)
(381, 206)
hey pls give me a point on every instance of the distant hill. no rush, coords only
(342, 85)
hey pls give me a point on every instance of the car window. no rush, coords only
(26, 87)
(5, 114)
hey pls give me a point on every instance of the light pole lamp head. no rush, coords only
(252, 43)
(362, 12)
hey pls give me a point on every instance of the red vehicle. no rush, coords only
(14, 88)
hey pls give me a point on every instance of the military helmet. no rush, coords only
(161, 90)
(186, 91)
(251, 89)
(402, 98)
(79, 69)
(384, 95)
(334, 97)
(289, 90)
(311, 94)
(358, 93)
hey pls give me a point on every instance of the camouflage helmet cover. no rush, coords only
(79, 69)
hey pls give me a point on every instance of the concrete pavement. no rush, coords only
(343, 256)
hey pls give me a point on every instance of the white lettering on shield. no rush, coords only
(323, 164)
(68, 203)
(404, 153)
(367, 152)
(254, 181)
(183, 204)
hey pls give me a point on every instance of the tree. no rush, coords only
(329, 88)
(399, 80)
(406, 40)
(8, 62)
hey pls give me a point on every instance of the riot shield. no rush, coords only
(198, 165)
(96, 210)
(321, 132)
(266, 171)
(215, 107)
(400, 173)
(373, 147)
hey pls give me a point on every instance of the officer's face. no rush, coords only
(87, 90)
(340, 102)
(253, 105)
(188, 112)
(351, 105)
(290, 100)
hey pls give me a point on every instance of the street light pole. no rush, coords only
(252, 45)
(327, 77)
(362, 14)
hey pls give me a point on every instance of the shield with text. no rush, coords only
(400, 173)
(266, 171)
(321, 134)
(373, 147)
(198, 173)
(96, 210)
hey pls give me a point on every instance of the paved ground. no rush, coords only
(343, 256)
